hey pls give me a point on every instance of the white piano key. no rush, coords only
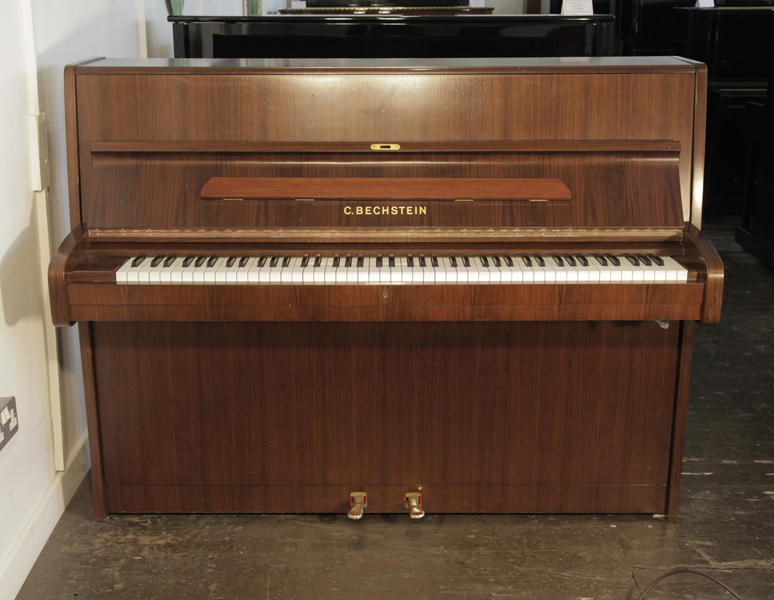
(275, 269)
(543, 273)
(209, 274)
(676, 273)
(361, 269)
(508, 274)
(329, 277)
(570, 268)
(341, 270)
(527, 267)
(254, 270)
(446, 271)
(316, 271)
(560, 271)
(154, 273)
(462, 270)
(350, 264)
(384, 269)
(122, 272)
(165, 276)
(244, 269)
(374, 273)
(428, 272)
(586, 273)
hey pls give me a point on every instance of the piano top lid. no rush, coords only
(594, 64)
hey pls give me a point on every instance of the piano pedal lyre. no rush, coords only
(357, 502)
(413, 501)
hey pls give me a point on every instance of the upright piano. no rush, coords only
(453, 286)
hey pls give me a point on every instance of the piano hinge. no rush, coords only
(463, 199)
(385, 146)
(304, 199)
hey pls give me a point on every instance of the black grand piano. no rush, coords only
(407, 35)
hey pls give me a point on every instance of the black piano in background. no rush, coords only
(735, 43)
(393, 36)
(756, 232)
(655, 28)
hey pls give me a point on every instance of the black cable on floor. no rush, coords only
(676, 571)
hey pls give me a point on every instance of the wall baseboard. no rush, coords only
(25, 551)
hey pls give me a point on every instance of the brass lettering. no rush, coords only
(385, 210)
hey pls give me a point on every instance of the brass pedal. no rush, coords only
(357, 502)
(413, 501)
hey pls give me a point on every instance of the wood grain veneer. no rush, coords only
(301, 412)
(486, 398)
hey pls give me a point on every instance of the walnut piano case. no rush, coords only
(514, 374)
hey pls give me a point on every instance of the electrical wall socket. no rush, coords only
(9, 420)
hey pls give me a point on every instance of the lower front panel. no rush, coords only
(479, 417)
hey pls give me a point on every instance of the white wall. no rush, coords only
(53, 33)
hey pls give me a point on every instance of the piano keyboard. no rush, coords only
(390, 270)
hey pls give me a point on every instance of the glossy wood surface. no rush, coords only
(609, 189)
(521, 416)
(486, 398)
(385, 188)
(511, 103)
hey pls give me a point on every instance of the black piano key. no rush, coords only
(434, 262)
(242, 261)
(360, 262)
(336, 261)
(644, 259)
(410, 261)
(508, 260)
(453, 261)
(526, 260)
(304, 262)
(188, 260)
(632, 259)
(273, 262)
(170, 259)
(379, 262)
(155, 262)
(200, 261)
(558, 260)
(348, 262)
(497, 262)
(570, 260)
(230, 262)
(600, 259)
(614, 259)
(212, 261)
(422, 262)
(317, 262)
(656, 259)
(262, 261)
(484, 261)
(286, 262)
(392, 262)
(138, 261)
(581, 259)
(465, 262)
(540, 261)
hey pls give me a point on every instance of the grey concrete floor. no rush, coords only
(726, 524)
